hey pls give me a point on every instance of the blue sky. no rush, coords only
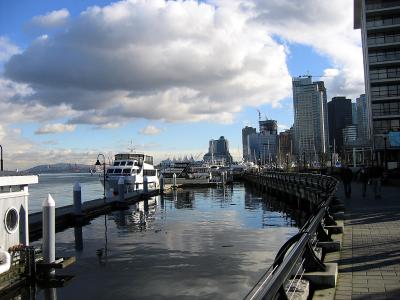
(218, 71)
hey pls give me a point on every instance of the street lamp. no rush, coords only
(385, 153)
(304, 159)
(1, 158)
(98, 163)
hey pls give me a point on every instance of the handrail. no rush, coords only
(297, 247)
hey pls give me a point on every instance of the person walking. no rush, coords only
(364, 178)
(376, 178)
(346, 175)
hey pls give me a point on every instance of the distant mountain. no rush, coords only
(60, 168)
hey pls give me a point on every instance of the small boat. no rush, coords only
(134, 169)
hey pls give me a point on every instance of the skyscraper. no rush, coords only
(362, 120)
(246, 132)
(310, 116)
(379, 21)
(339, 116)
(218, 152)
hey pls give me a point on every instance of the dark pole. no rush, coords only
(104, 179)
(1, 158)
(304, 159)
(385, 153)
(98, 163)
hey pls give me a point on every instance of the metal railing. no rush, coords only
(297, 255)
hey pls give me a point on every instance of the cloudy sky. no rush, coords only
(82, 77)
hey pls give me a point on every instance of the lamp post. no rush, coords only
(98, 163)
(1, 158)
(304, 159)
(385, 153)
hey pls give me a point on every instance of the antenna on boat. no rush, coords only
(131, 148)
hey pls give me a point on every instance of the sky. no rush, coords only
(78, 78)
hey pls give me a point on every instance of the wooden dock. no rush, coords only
(66, 218)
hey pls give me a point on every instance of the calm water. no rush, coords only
(209, 243)
(60, 187)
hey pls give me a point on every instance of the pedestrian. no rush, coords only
(346, 175)
(364, 178)
(376, 178)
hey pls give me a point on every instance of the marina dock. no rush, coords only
(65, 216)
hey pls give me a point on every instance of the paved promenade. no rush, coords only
(369, 267)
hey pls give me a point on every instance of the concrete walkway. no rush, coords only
(369, 265)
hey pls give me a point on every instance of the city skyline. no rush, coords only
(170, 88)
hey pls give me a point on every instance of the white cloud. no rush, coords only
(14, 107)
(7, 49)
(150, 130)
(51, 19)
(325, 26)
(160, 60)
(55, 128)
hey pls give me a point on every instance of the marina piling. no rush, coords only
(121, 189)
(161, 183)
(174, 180)
(77, 199)
(145, 184)
(49, 232)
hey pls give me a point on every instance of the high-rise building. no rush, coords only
(362, 120)
(286, 144)
(353, 113)
(339, 116)
(310, 116)
(349, 135)
(262, 146)
(246, 132)
(218, 152)
(268, 126)
(379, 21)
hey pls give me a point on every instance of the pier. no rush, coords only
(305, 265)
(66, 216)
(369, 264)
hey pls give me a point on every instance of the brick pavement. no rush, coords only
(369, 265)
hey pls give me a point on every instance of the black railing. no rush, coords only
(297, 255)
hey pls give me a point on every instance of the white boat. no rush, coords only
(134, 169)
(193, 173)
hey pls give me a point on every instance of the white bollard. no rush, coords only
(49, 231)
(145, 184)
(121, 189)
(161, 183)
(174, 180)
(77, 199)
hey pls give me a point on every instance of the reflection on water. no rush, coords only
(198, 243)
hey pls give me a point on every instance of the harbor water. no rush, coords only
(60, 187)
(204, 243)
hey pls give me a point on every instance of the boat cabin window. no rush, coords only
(117, 171)
(110, 171)
(116, 163)
(123, 163)
(127, 171)
(129, 163)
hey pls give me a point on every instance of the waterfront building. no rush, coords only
(310, 116)
(362, 120)
(218, 152)
(379, 22)
(246, 132)
(349, 135)
(285, 145)
(339, 116)
(354, 120)
(263, 145)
